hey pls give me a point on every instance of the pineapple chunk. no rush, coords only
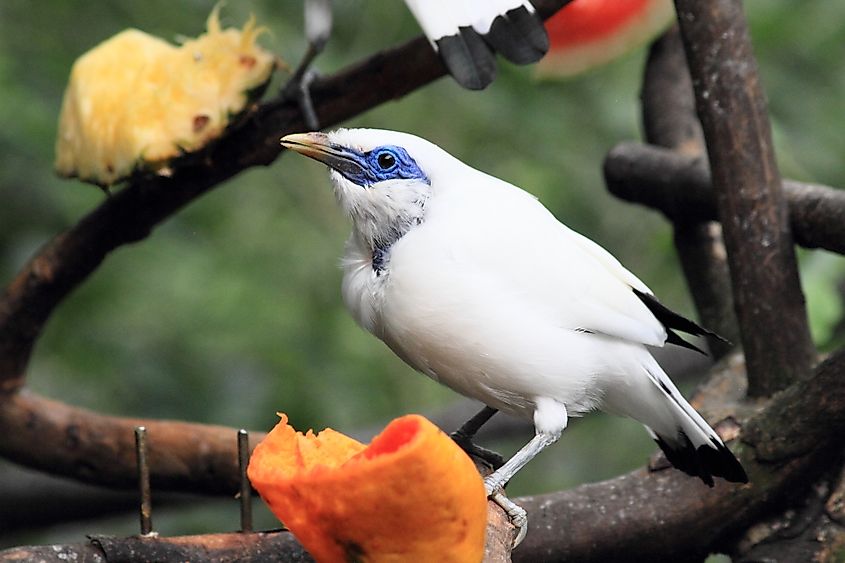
(136, 101)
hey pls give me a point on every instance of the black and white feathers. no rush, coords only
(467, 34)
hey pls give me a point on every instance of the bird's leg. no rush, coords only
(318, 26)
(494, 482)
(550, 418)
(463, 437)
(537, 444)
(469, 428)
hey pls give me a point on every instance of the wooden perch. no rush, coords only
(99, 449)
(680, 187)
(796, 436)
(749, 197)
(256, 547)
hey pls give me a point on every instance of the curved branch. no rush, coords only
(668, 104)
(131, 214)
(259, 547)
(94, 448)
(679, 186)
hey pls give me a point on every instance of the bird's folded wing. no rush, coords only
(575, 282)
(611, 291)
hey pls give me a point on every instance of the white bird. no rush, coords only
(473, 282)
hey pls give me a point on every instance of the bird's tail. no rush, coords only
(690, 444)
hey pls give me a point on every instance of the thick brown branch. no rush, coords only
(679, 186)
(670, 121)
(258, 547)
(747, 185)
(276, 547)
(669, 117)
(130, 214)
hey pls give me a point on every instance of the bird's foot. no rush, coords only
(318, 29)
(517, 514)
(299, 88)
(491, 458)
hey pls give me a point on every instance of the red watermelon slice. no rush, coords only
(589, 33)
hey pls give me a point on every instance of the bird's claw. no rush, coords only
(517, 514)
(491, 458)
(299, 88)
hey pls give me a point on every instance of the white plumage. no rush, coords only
(474, 283)
(441, 18)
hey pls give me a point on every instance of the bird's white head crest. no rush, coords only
(382, 179)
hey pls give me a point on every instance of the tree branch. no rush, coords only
(764, 272)
(94, 448)
(668, 105)
(259, 547)
(679, 187)
(668, 514)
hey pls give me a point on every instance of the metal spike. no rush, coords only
(146, 509)
(246, 489)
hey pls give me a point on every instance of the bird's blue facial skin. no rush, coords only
(388, 162)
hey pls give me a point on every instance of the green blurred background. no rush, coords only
(231, 310)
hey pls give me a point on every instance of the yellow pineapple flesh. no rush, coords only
(136, 101)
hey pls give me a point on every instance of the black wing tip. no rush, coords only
(468, 58)
(705, 462)
(519, 35)
(673, 337)
(672, 320)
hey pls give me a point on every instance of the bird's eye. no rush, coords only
(386, 161)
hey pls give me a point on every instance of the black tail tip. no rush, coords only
(705, 462)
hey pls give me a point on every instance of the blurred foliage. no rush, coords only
(231, 310)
